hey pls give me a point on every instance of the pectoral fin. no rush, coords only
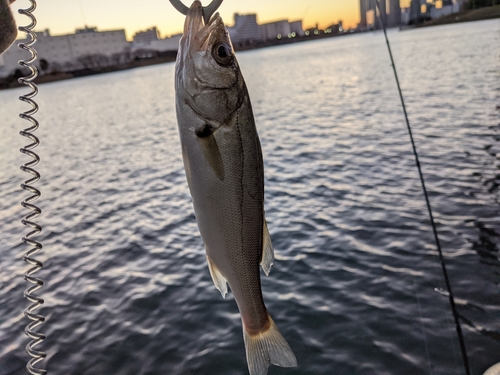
(210, 149)
(219, 280)
(267, 250)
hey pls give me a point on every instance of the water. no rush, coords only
(127, 286)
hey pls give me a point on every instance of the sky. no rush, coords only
(64, 16)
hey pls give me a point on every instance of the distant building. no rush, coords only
(159, 45)
(393, 13)
(146, 37)
(312, 31)
(245, 28)
(420, 10)
(281, 29)
(296, 27)
(447, 8)
(336, 28)
(88, 41)
(405, 16)
(372, 17)
(64, 51)
(276, 29)
(415, 12)
(146, 42)
(363, 9)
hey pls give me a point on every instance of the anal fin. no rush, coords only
(219, 280)
(267, 250)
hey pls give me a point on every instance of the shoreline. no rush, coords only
(473, 15)
(12, 82)
(480, 14)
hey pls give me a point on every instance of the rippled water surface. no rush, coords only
(353, 288)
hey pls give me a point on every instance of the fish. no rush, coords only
(224, 169)
(8, 29)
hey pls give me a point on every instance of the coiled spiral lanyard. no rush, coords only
(35, 246)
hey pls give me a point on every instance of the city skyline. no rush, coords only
(64, 16)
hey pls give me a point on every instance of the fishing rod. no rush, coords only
(429, 209)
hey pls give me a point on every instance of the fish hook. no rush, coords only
(208, 11)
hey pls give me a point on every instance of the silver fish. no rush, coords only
(8, 30)
(225, 173)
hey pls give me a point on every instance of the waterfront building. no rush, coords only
(146, 37)
(89, 41)
(335, 28)
(146, 42)
(65, 52)
(160, 45)
(393, 13)
(364, 7)
(415, 11)
(371, 18)
(447, 8)
(421, 11)
(296, 27)
(390, 13)
(381, 13)
(276, 29)
(405, 16)
(245, 28)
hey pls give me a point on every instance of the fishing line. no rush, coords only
(36, 319)
(429, 209)
(82, 13)
(422, 325)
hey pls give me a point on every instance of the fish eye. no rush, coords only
(222, 53)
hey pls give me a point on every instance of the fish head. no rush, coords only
(208, 78)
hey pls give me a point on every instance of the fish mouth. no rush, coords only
(197, 35)
(194, 20)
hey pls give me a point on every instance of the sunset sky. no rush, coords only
(64, 16)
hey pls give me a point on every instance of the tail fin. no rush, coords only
(265, 347)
